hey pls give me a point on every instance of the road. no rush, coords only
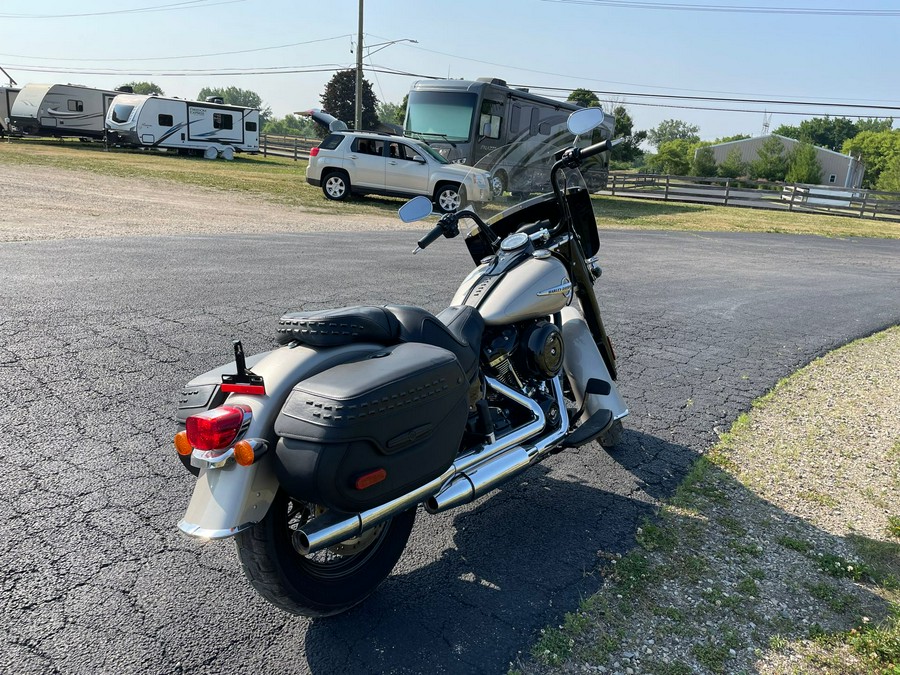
(98, 335)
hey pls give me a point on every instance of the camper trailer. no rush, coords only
(209, 128)
(7, 96)
(61, 110)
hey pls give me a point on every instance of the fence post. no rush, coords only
(667, 188)
(265, 145)
(295, 149)
(862, 208)
(727, 190)
(614, 185)
(793, 194)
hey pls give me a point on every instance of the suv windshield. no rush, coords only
(433, 153)
(440, 114)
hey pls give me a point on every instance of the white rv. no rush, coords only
(208, 128)
(7, 96)
(61, 110)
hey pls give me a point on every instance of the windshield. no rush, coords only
(432, 115)
(438, 157)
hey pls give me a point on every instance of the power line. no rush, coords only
(729, 9)
(186, 4)
(186, 56)
(720, 99)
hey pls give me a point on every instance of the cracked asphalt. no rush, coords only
(98, 335)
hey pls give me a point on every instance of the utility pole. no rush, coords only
(357, 123)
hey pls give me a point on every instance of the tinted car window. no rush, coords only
(368, 146)
(331, 141)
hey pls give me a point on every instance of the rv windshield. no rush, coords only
(435, 115)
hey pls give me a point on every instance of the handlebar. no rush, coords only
(448, 226)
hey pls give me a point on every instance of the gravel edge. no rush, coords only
(776, 554)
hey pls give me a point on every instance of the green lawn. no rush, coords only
(283, 181)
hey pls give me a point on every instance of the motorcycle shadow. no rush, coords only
(512, 563)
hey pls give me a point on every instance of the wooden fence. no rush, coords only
(294, 147)
(759, 194)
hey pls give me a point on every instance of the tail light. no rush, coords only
(314, 152)
(216, 429)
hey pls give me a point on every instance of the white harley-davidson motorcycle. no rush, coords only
(315, 456)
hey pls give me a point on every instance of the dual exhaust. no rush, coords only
(471, 476)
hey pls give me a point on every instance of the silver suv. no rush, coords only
(366, 162)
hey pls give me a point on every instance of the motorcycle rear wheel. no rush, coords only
(325, 583)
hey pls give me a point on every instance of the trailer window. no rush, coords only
(250, 126)
(121, 113)
(165, 120)
(222, 121)
(76, 106)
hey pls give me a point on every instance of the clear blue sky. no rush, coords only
(611, 45)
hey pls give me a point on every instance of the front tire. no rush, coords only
(611, 438)
(336, 186)
(324, 583)
(448, 197)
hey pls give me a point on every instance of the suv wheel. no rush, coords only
(448, 197)
(336, 185)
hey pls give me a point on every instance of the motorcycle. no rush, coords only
(315, 456)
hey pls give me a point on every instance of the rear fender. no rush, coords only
(231, 498)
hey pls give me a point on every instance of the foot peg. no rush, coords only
(590, 430)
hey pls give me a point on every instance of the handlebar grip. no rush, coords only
(429, 238)
(595, 149)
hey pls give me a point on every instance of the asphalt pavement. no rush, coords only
(98, 335)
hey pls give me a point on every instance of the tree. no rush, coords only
(292, 125)
(674, 157)
(235, 96)
(629, 149)
(876, 149)
(734, 165)
(143, 88)
(339, 99)
(771, 162)
(672, 130)
(703, 162)
(826, 132)
(584, 97)
(803, 165)
(889, 180)
(875, 124)
(729, 139)
(391, 113)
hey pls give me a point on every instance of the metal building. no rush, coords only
(837, 169)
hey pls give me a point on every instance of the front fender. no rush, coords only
(232, 498)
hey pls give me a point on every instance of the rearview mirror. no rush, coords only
(415, 209)
(583, 120)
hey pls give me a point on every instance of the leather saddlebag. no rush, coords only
(362, 433)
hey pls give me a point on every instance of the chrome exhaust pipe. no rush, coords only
(332, 528)
(492, 471)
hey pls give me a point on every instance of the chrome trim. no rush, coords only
(201, 533)
(212, 459)
(332, 528)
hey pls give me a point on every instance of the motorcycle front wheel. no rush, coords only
(324, 583)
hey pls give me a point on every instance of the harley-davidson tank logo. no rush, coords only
(565, 287)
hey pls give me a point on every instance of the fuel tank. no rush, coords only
(535, 286)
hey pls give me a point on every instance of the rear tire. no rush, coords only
(336, 185)
(325, 583)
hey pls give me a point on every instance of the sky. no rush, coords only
(806, 51)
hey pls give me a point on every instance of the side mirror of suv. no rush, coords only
(418, 158)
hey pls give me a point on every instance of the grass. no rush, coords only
(283, 181)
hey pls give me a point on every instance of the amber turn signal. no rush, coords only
(182, 444)
(243, 453)
(369, 479)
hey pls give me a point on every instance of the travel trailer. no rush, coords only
(61, 110)
(7, 96)
(209, 128)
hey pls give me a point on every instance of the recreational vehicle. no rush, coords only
(466, 121)
(208, 128)
(7, 96)
(61, 110)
